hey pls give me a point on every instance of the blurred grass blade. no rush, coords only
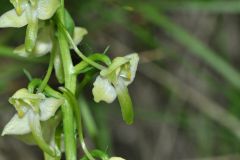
(88, 119)
(193, 44)
(187, 93)
(207, 6)
(8, 53)
(27, 74)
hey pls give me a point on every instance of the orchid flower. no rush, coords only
(31, 110)
(29, 12)
(44, 42)
(113, 81)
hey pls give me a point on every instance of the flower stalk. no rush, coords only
(46, 117)
(70, 83)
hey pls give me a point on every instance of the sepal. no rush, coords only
(17, 126)
(47, 8)
(11, 19)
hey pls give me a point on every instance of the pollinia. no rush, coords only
(51, 118)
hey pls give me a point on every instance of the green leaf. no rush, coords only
(11, 19)
(125, 102)
(69, 22)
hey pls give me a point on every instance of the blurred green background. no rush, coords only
(187, 90)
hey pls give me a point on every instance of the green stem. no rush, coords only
(49, 71)
(69, 132)
(47, 157)
(48, 90)
(88, 118)
(52, 93)
(79, 53)
(97, 154)
(70, 83)
(67, 62)
(77, 112)
(79, 68)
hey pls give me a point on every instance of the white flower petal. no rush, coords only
(78, 34)
(134, 59)
(58, 66)
(43, 45)
(47, 8)
(20, 50)
(17, 126)
(11, 19)
(48, 108)
(116, 158)
(42, 48)
(103, 91)
(44, 42)
(25, 94)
